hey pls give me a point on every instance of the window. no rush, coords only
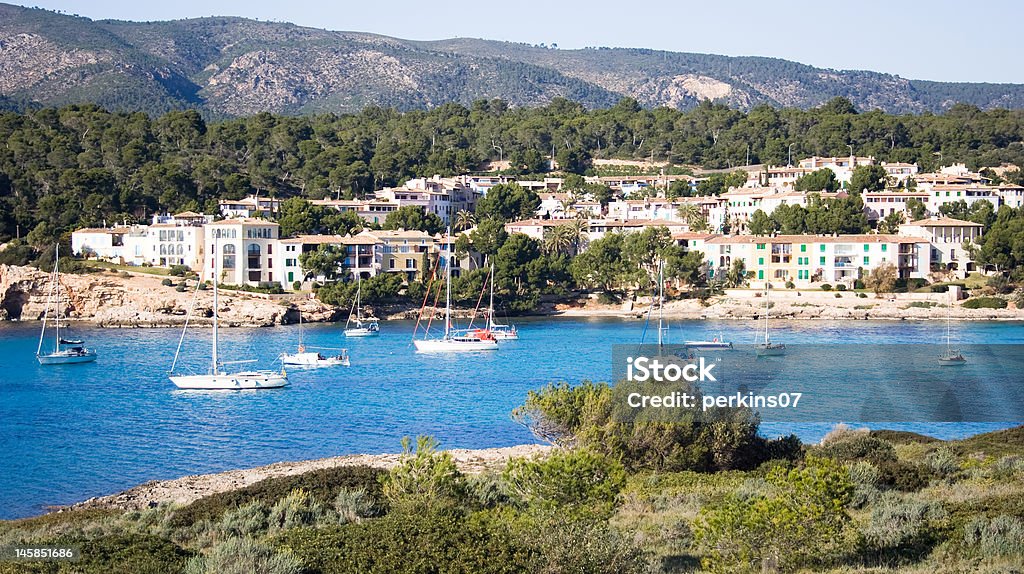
(867, 260)
(760, 260)
(270, 249)
(760, 245)
(410, 264)
(391, 263)
(866, 248)
(760, 273)
(229, 256)
(821, 248)
(884, 248)
(803, 249)
(253, 256)
(821, 261)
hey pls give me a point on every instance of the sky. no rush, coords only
(943, 40)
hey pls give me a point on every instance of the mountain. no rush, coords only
(236, 67)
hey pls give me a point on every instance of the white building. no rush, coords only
(946, 237)
(881, 204)
(241, 251)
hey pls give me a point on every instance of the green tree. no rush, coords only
(868, 178)
(413, 217)
(821, 180)
(882, 279)
(602, 265)
(508, 202)
(891, 223)
(327, 261)
(917, 208)
(761, 224)
(488, 236)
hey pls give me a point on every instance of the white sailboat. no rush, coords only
(768, 348)
(500, 332)
(951, 357)
(215, 379)
(452, 341)
(309, 360)
(368, 328)
(65, 351)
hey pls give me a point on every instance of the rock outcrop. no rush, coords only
(140, 300)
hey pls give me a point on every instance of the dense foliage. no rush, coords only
(80, 166)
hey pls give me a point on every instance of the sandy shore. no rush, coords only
(191, 488)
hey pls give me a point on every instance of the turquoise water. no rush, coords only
(71, 432)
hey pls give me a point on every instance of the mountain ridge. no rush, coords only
(233, 66)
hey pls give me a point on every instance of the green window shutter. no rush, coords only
(760, 260)
(867, 260)
(884, 248)
(803, 249)
(821, 261)
(760, 273)
(821, 248)
(866, 247)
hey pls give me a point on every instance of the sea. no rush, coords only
(71, 432)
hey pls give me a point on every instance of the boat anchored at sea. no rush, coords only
(215, 379)
(453, 341)
(361, 327)
(65, 350)
(768, 348)
(950, 357)
(313, 360)
(500, 332)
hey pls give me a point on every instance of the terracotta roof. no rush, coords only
(243, 221)
(944, 222)
(810, 239)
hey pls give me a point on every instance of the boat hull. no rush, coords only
(246, 380)
(707, 345)
(361, 332)
(313, 360)
(454, 346)
(66, 358)
(771, 350)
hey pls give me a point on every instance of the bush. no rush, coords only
(243, 556)
(790, 285)
(181, 288)
(1000, 284)
(297, 286)
(841, 287)
(798, 521)
(167, 282)
(858, 284)
(849, 445)
(943, 462)
(826, 287)
(324, 484)
(577, 481)
(424, 475)
(354, 505)
(295, 510)
(999, 536)
(179, 270)
(609, 298)
(839, 295)
(901, 528)
(17, 254)
(985, 303)
(124, 553)
(862, 295)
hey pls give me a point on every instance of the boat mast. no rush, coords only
(448, 297)
(490, 308)
(56, 307)
(46, 312)
(767, 310)
(216, 255)
(661, 302)
(359, 305)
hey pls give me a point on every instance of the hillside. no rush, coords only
(235, 66)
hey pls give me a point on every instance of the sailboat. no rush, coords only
(951, 357)
(65, 351)
(500, 332)
(453, 341)
(767, 348)
(306, 359)
(215, 378)
(361, 329)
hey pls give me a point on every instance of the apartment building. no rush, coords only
(946, 238)
(241, 251)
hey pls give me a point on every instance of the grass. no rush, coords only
(975, 281)
(163, 271)
(919, 305)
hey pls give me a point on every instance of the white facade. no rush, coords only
(946, 237)
(241, 251)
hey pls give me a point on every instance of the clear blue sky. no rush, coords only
(946, 40)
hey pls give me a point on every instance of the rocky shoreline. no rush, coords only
(188, 489)
(128, 300)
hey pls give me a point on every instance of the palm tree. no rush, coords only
(464, 220)
(576, 232)
(693, 217)
(557, 240)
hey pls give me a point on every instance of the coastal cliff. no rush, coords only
(140, 300)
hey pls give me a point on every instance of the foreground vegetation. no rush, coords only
(720, 500)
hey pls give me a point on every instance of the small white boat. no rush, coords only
(215, 380)
(309, 360)
(767, 348)
(314, 360)
(716, 343)
(455, 341)
(500, 332)
(368, 328)
(65, 351)
(950, 357)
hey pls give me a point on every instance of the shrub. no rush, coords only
(609, 298)
(839, 295)
(487, 490)
(297, 509)
(247, 520)
(243, 556)
(424, 475)
(1001, 536)
(855, 445)
(167, 282)
(826, 287)
(324, 484)
(858, 284)
(354, 505)
(903, 476)
(841, 287)
(862, 295)
(943, 462)
(17, 254)
(1000, 284)
(124, 274)
(574, 481)
(797, 523)
(123, 553)
(297, 286)
(180, 287)
(903, 528)
(985, 303)
(790, 285)
(179, 270)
